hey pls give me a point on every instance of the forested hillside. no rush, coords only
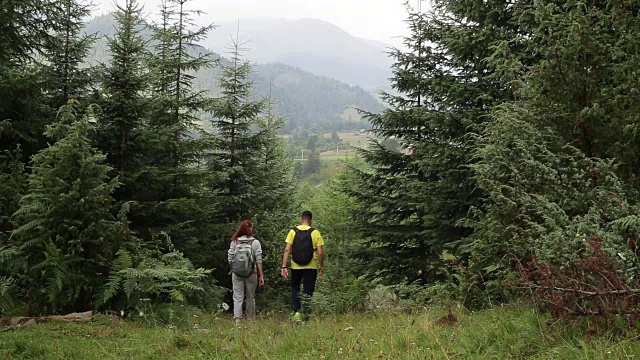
(304, 99)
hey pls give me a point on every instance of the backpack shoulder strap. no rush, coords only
(295, 229)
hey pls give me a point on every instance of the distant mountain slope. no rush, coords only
(303, 98)
(313, 45)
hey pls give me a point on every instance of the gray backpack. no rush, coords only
(243, 260)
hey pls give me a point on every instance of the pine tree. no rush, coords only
(237, 145)
(65, 76)
(67, 232)
(175, 177)
(25, 29)
(312, 164)
(276, 178)
(124, 132)
(581, 88)
(411, 202)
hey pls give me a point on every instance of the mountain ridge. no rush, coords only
(300, 42)
(305, 99)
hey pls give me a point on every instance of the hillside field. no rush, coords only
(354, 139)
(502, 333)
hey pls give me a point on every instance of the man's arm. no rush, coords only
(284, 271)
(320, 260)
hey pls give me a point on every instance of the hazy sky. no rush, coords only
(374, 19)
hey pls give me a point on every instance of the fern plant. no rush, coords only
(7, 289)
(166, 279)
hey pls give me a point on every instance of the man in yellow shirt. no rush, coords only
(304, 244)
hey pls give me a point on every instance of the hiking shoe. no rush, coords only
(297, 317)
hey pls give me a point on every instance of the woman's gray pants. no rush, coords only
(244, 287)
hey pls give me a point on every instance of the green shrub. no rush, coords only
(169, 279)
(339, 292)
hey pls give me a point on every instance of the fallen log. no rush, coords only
(83, 317)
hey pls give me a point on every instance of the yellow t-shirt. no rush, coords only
(317, 241)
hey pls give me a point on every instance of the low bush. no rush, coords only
(157, 289)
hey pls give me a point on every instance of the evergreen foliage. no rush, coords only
(237, 144)
(66, 231)
(306, 100)
(111, 188)
(412, 201)
(512, 119)
(25, 29)
(124, 133)
(276, 181)
(12, 187)
(312, 164)
(552, 162)
(124, 104)
(175, 178)
(510, 144)
(546, 199)
(248, 150)
(65, 77)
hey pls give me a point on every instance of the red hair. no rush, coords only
(245, 229)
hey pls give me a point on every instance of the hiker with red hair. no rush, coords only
(245, 260)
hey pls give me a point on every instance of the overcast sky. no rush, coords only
(373, 19)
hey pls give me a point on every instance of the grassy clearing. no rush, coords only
(356, 138)
(333, 157)
(517, 332)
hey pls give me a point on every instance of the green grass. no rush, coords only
(355, 138)
(334, 157)
(504, 333)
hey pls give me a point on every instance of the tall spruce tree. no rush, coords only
(66, 50)
(25, 29)
(67, 233)
(276, 182)
(411, 202)
(237, 144)
(179, 201)
(124, 131)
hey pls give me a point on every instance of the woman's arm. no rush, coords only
(232, 251)
(261, 275)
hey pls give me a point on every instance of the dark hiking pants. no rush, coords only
(306, 278)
